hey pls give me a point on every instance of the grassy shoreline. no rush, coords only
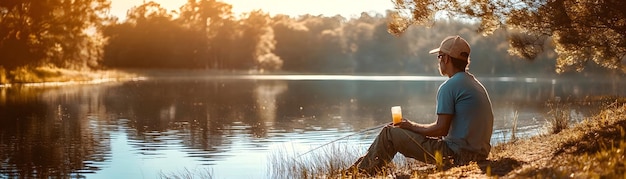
(592, 148)
(54, 76)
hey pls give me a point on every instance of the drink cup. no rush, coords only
(396, 113)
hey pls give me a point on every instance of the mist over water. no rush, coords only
(231, 123)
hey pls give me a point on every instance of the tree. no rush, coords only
(149, 38)
(307, 44)
(52, 31)
(374, 50)
(206, 18)
(260, 42)
(582, 30)
(292, 43)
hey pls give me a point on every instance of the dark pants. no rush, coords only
(392, 140)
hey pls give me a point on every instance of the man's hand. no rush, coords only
(436, 129)
(404, 124)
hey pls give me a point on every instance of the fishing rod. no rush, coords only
(359, 132)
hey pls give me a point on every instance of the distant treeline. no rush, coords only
(205, 34)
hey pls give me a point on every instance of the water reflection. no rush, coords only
(266, 93)
(42, 134)
(140, 128)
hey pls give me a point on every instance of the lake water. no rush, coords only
(231, 124)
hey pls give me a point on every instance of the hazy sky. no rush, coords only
(346, 8)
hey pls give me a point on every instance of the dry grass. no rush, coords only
(327, 161)
(205, 173)
(559, 116)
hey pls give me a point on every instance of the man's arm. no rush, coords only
(437, 129)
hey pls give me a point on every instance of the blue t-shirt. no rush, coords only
(466, 98)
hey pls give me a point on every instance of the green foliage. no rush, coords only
(53, 31)
(147, 39)
(213, 27)
(50, 73)
(582, 30)
(202, 37)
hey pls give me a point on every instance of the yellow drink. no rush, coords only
(396, 114)
(397, 118)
